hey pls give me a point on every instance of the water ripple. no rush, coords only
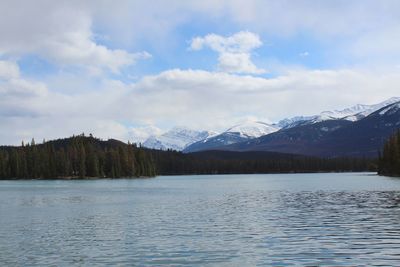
(197, 222)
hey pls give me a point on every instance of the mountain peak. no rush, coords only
(253, 129)
(353, 113)
(391, 109)
(177, 138)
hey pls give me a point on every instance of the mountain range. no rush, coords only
(236, 134)
(178, 138)
(353, 113)
(331, 138)
(356, 131)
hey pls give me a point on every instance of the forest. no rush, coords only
(89, 157)
(389, 159)
(227, 162)
(75, 157)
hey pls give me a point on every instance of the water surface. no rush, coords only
(225, 220)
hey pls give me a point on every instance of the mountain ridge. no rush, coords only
(187, 140)
(238, 133)
(331, 138)
(176, 139)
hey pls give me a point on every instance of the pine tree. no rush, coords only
(389, 160)
(92, 163)
(82, 162)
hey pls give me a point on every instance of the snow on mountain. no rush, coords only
(353, 113)
(181, 138)
(253, 129)
(141, 134)
(236, 134)
(359, 111)
(389, 110)
(177, 138)
(294, 121)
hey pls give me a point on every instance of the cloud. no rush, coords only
(356, 27)
(101, 36)
(105, 35)
(12, 85)
(234, 51)
(195, 98)
(8, 70)
(304, 54)
(214, 100)
(19, 97)
(140, 134)
(20, 87)
(61, 33)
(241, 42)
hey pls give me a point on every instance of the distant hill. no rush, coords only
(75, 157)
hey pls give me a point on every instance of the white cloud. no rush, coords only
(78, 48)
(237, 63)
(12, 85)
(304, 54)
(241, 42)
(60, 32)
(194, 98)
(8, 70)
(354, 27)
(140, 134)
(20, 87)
(47, 26)
(71, 33)
(234, 51)
(202, 99)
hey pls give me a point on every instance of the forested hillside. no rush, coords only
(230, 162)
(389, 160)
(75, 157)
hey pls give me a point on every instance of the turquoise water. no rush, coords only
(224, 220)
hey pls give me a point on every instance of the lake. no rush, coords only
(211, 220)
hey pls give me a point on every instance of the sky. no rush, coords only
(129, 69)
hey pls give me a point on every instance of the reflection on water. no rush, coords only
(237, 220)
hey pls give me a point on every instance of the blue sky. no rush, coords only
(134, 68)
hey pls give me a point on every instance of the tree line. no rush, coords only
(389, 159)
(75, 157)
(225, 162)
(86, 156)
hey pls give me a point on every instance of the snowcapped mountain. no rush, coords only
(177, 138)
(358, 111)
(252, 129)
(353, 113)
(294, 121)
(187, 140)
(390, 110)
(331, 138)
(238, 133)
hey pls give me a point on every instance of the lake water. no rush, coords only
(225, 220)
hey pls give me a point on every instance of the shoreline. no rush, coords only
(193, 174)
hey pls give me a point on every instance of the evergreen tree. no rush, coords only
(82, 162)
(92, 163)
(389, 159)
